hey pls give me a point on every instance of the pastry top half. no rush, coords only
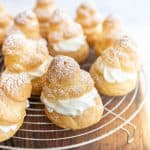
(14, 91)
(44, 9)
(88, 16)
(112, 25)
(64, 33)
(26, 55)
(27, 23)
(120, 62)
(68, 89)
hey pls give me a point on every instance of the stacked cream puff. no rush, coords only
(66, 37)
(115, 72)
(69, 95)
(112, 30)
(26, 55)
(14, 90)
(26, 22)
(26, 34)
(5, 23)
(44, 10)
(90, 20)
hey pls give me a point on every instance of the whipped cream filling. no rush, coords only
(40, 70)
(70, 45)
(113, 75)
(6, 128)
(72, 106)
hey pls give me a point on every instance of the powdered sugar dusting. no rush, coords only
(11, 82)
(62, 67)
(13, 42)
(24, 16)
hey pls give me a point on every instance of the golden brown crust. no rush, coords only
(5, 136)
(37, 85)
(111, 89)
(89, 117)
(112, 31)
(22, 54)
(89, 18)
(27, 23)
(120, 59)
(16, 86)
(65, 79)
(58, 21)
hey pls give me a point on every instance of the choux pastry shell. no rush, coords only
(68, 41)
(112, 30)
(90, 20)
(115, 72)
(70, 99)
(27, 23)
(26, 55)
(43, 11)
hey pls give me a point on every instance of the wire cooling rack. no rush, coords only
(38, 132)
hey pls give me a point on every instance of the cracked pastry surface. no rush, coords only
(69, 95)
(71, 41)
(90, 20)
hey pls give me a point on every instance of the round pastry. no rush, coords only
(70, 98)
(44, 10)
(5, 23)
(14, 91)
(115, 72)
(27, 23)
(90, 20)
(26, 55)
(66, 37)
(37, 85)
(112, 30)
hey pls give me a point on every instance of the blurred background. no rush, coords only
(134, 13)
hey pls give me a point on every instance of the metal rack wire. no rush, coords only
(36, 125)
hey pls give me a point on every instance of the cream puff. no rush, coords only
(115, 72)
(66, 37)
(5, 23)
(90, 20)
(70, 98)
(27, 23)
(112, 30)
(43, 11)
(26, 55)
(14, 91)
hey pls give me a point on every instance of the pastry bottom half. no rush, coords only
(112, 89)
(89, 117)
